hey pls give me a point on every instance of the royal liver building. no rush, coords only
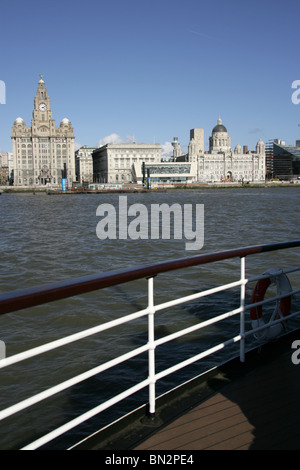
(43, 153)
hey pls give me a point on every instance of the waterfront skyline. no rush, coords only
(122, 70)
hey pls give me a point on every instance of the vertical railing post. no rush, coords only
(242, 315)
(151, 345)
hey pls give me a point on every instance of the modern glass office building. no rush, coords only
(286, 161)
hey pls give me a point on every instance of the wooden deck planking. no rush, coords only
(258, 411)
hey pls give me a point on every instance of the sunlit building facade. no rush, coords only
(43, 153)
(84, 164)
(119, 163)
(221, 162)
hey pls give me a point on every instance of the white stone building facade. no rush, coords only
(84, 164)
(221, 163)
(122, 163)
(118, 163)
(6, 168)
(43, 153)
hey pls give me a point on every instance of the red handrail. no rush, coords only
(24, 298)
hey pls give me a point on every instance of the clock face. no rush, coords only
(42, 107)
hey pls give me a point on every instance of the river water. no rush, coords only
(45, 239)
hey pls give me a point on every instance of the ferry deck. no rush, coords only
(250, 402)
(250, 406)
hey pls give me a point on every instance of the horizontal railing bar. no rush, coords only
(274, 322)
(71, 424)
(68, 426)
(271, 299)
(188, 298)
(199, 326)
(83, 334)
(69, 339)
(75, 380)
(92, 331)
(265, 276)
(29, 402)
(69, 383)
(85, 416)
(288, 271)
(196, 358)
(20, 299)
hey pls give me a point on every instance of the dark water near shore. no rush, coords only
(45, 239)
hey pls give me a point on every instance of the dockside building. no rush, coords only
(120, 163)
(222, 163)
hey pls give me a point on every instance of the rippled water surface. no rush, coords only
(44, 239)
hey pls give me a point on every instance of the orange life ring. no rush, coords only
(258, 295)
(283, 287)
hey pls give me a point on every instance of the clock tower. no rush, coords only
(43, 153)
(42, 110)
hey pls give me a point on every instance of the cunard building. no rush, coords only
(43, 153)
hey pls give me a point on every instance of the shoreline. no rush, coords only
(162, 188)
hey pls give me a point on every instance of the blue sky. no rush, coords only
(154, 70)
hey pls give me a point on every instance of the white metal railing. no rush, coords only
(151, 346)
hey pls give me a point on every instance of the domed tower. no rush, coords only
(65, 122)
(19, 121)
(238, 150)
(260, 147)
(177, 152)
(219, 140)
(43, 153)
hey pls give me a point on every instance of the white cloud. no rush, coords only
(110, 139)
(167, 149)
(130, 139)
(115, 139)
(77, 146)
